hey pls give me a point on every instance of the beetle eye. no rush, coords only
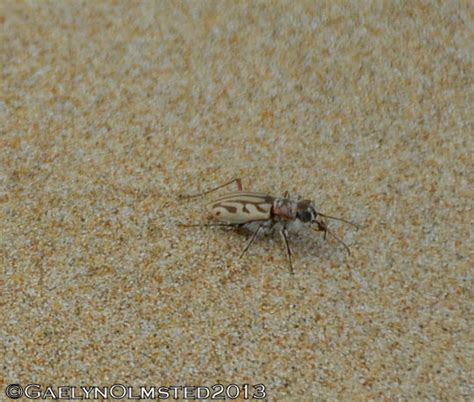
(304, 216)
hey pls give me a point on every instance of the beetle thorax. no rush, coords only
(284, 209)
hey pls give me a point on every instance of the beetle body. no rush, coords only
(263, 213)
(246, 208)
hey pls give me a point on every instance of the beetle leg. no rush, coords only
(237, 180)
(239, 184)
(284, 234)
(254, 236)
(235, 225)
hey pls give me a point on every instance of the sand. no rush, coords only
(110, 110)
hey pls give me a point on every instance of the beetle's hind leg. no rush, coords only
(237, 180)
(193, 225)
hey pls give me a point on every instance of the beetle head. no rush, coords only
(305, 211)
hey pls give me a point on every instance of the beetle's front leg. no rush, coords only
(284, 235)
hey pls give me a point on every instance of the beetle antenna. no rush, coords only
(340, 241)
(339, 219)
